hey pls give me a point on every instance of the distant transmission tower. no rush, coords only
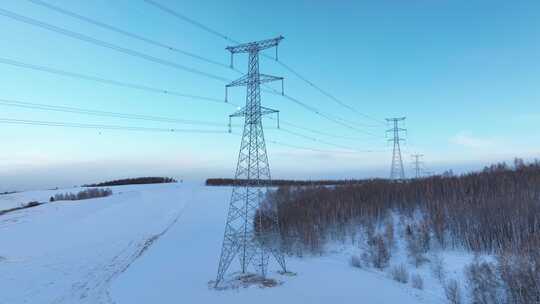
(396, 171)
(251, 231)
(417, 163)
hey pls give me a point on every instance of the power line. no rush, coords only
(129, 52)
(126, 33)
(287, 67)
(41, 68)
(80, 36)
(65, 109)
(46, 107)
(285, 122)
(129, 85)
(338, 121)
(158, 60)
(279, 143)
(148, 129)
(323, 141)
(322, 91)
(17, 103)
(317, 111)
(143, 129)
(193, 22)
(104, 127)
(111, 46)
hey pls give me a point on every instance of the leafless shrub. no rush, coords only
(356, 261)
(418, 238)
(378, 252)
(483, 282)
(452, 292)
(437, 267)
(400, 274)
(389, 233)
(417, 281)
(520, 274)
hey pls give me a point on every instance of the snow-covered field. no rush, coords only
(159, 244)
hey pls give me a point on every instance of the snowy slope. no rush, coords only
(179, 266)
(119, 249)
(69, 252)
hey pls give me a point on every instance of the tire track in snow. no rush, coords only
(94, 287)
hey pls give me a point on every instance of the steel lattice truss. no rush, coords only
(396, 170)
(252, 230)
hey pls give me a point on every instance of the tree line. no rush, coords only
(495, 211)
(134, 181)
(280, 182)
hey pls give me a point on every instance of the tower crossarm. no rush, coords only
(247, 79)
(266, 111)
(394, 129)
(396, 119)
(242, 112)
(254, 46)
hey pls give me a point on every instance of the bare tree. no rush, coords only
(483, 283)
(520, 273)
(389, 232)
(437, 267)
(452, 292)
(417, 237)
(400, 274)
(417, 281)
(378, 252)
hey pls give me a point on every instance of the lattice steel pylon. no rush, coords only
(417, 164)
(396, 170)
(251, 230)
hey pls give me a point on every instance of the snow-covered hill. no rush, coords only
(157, 244)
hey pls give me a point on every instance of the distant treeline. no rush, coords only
(8, 192)
(489, 211)
(23, 206)
(81, 195)
(283, 182)
(134, 181)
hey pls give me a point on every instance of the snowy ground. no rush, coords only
(69, 252)
(119, 249)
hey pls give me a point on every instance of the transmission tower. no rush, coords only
(251, 230)
(396, 171)
(417, 164)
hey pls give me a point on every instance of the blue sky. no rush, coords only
(465, 73)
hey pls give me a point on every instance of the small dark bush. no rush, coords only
(356, 261)
(437, 267)
(31, 204)
(417, 281)
(400, 274)
(452, 292)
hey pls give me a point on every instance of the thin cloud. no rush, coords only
(466, 139)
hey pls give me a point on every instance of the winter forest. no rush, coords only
(495, 213)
